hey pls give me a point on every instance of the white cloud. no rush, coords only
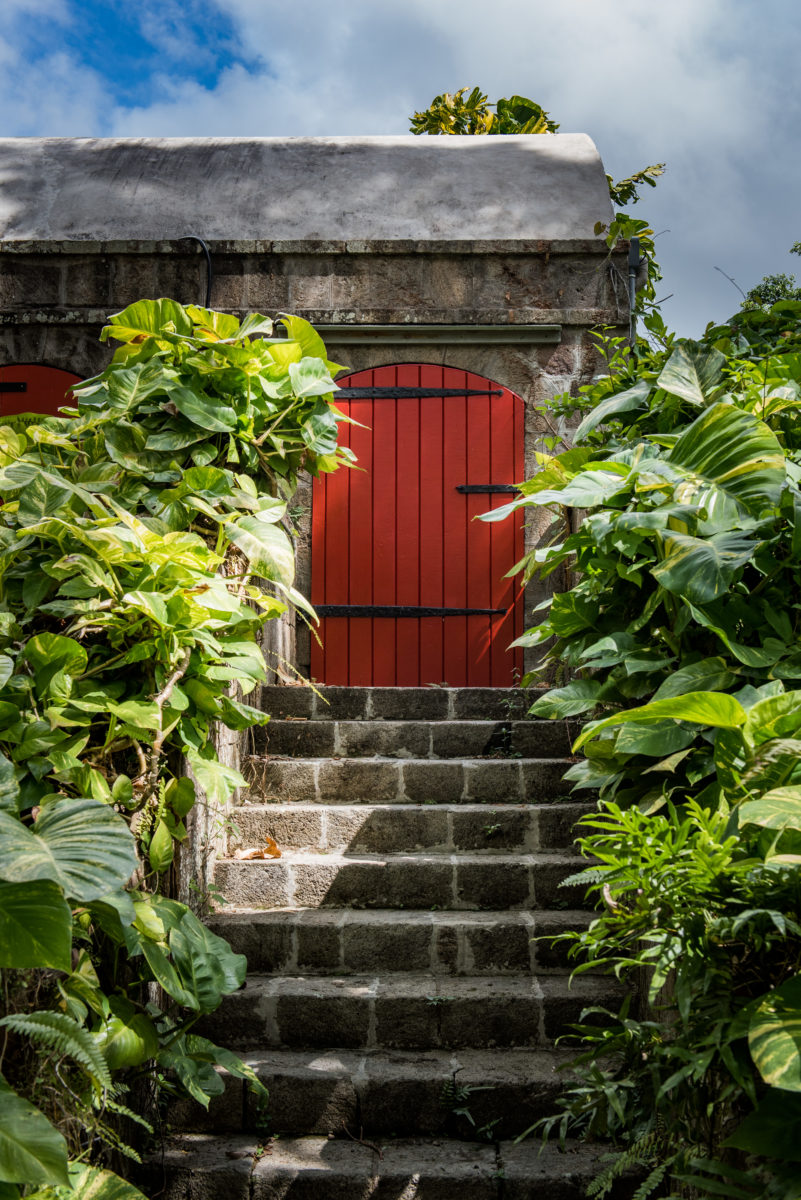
(705, 87)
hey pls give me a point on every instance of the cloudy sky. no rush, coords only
(707, 86)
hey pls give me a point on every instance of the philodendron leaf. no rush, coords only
(205, 963)
(708, 675)
(777, 809)
(127, 1040)
(732, 450)
(35, 926)
(774, 1036)
(772, 1129)
(203, 410)
(9, 788)
(93, 1183)
(196, 1076)
(702, 568)
(631, 398)
(80, 844)
(51, 652)
(161, 849)
(701, 708)
(310, 377)
(576, 697)
(267, 547)
(692, 373)
(31, 1150)
(147, 317)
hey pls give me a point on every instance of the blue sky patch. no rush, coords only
(140, 49)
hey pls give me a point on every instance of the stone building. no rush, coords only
(478, 255)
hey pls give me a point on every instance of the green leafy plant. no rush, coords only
(675, 521)
(143, 545)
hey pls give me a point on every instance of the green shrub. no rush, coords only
(677, 517)
(142, 549)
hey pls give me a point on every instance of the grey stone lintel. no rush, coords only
(440, 335)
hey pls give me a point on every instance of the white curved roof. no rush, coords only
(534, 187)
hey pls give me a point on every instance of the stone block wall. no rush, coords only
(520, 313)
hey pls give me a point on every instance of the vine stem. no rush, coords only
(5, 1031)
(160, 700)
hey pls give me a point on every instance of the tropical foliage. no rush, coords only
(773, 288)
(459, 113)
(676, 517)
(471, 113)
(142, 548)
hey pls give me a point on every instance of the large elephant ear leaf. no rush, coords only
(735, 452)
(80, 844)
(692, 373)
(31, 1150)
(35, 926)
(774, 1036)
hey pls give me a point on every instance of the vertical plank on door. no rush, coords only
(384, 520)
(432, 515)
(479, 536)
(407, 543)
(360, 534)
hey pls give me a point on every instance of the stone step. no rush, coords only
(401, 828)
(405, 1093)
(205, 1167)
(398, 704)
(406, 781)
(354, 941)
(302, 879)
(416, 739)
(405, 1012)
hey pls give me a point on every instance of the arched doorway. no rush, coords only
(411, 589)
(29, 387)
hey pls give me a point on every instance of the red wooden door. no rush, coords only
(411, 589)
(28, 387)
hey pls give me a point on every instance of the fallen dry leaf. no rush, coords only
(270, 850)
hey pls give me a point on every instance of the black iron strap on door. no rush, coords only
(471, 489)
(13, 387)
(402, 610)
(410, 393)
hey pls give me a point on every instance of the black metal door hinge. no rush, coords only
(405, 393)
(402, 610)
(489, 488)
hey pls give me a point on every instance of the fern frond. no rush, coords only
(652, 1182)
(63, 1035)
(122, 1111)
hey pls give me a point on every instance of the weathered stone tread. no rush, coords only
(324, 941)
(416, 739)
(403, 1093)
(396, 828)
(412, 1011)
(382, 780)
(205, 1167)
(443, 881)
(397, 704)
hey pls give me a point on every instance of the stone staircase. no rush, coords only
(399, 1007)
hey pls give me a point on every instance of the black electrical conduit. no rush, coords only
(192, 237)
